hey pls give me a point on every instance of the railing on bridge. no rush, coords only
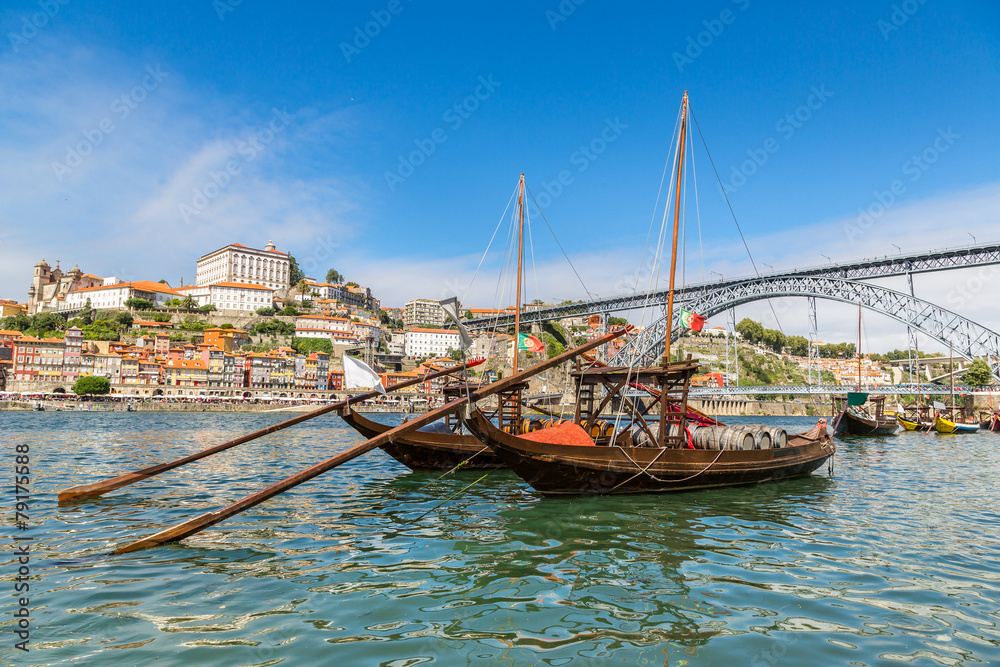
(875, 267)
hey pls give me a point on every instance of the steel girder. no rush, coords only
(824, 389)
(971, 340)
(878, 267)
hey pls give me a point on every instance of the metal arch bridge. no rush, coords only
(827, 389)
(878, 267)
(970, 340)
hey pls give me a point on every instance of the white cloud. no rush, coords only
(116, 210)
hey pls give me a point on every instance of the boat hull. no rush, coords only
(849, 424)
(581, 470)
(942, 425)
(424, 450)
(911, 425)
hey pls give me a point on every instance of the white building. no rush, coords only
(429, 342)
(115, 296)
(337, 330)
(239, 264)
(241, 297)
(426, 312)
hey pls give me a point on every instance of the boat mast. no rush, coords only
(951, 372)
(677, 213)
(859, 346)
(520, 256)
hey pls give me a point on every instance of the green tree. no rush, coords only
(752, 332)
(91, 385)
(123, 320)
(189, 303)
(617, 321)
(207, 308)
(334, 276)
(351, 284)
(88, 312)
(48, 322)
(290, 311)
(978, 374)
(294, 272)
(798, 345)
(266, 312)
(774, 340)
(227, 325)
(138, 304)
(310, 345)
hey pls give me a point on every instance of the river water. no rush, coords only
(894, 557)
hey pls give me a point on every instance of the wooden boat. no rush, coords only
(430, 448)
(856, 420)
(644, 454)
(912, 424)
(444, 447)
(942, 425)
(567, 460)
(991, 423)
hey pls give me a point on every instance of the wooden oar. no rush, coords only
(199, 523)
(100, 488)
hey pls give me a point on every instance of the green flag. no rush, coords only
(854, 398)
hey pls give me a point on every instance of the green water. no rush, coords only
(895, 557)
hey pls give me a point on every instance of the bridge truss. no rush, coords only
(878, 267)
(970, 340)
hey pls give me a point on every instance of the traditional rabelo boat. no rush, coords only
(957, 423)
(849, 414)
(444, 445)
(990, 421)
(854, 419)
(670, 451)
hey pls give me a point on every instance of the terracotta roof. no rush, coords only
(243, 285)
(187, 363)
(141, 285)
(4, 332)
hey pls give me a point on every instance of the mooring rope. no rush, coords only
(654, 477)
(452, 470)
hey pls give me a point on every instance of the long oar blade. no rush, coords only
(102, 487)
(182, 530)
(199, 523)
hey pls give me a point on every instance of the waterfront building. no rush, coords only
(10, 308)
(423, 313)
(429, 342)
(185, 373)
(73, 345)
(114, 296)
(238, 263)
(50, 287)
(229, 296)
(227, 340)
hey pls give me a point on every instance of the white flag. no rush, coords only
(938, 405)
(359, 374)
(450, 307)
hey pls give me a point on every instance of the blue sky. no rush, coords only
(310, 118)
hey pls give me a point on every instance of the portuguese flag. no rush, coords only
(691, 321)
(529, 343)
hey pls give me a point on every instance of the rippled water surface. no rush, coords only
(895, 557)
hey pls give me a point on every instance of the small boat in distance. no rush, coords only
(942, 425)
(851, 417)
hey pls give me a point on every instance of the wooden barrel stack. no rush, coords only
(749, 436)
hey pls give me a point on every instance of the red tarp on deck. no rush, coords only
(564, 434)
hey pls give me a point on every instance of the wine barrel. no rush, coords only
(737, 437)
(779, 437)
(708, 437)
(761, 436)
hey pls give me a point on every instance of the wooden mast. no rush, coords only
(677, 213)
(520, 257)
(859, 346)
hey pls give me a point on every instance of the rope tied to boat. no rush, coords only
(436, 479)
(645, 471)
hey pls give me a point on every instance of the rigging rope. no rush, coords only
(729, 204)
